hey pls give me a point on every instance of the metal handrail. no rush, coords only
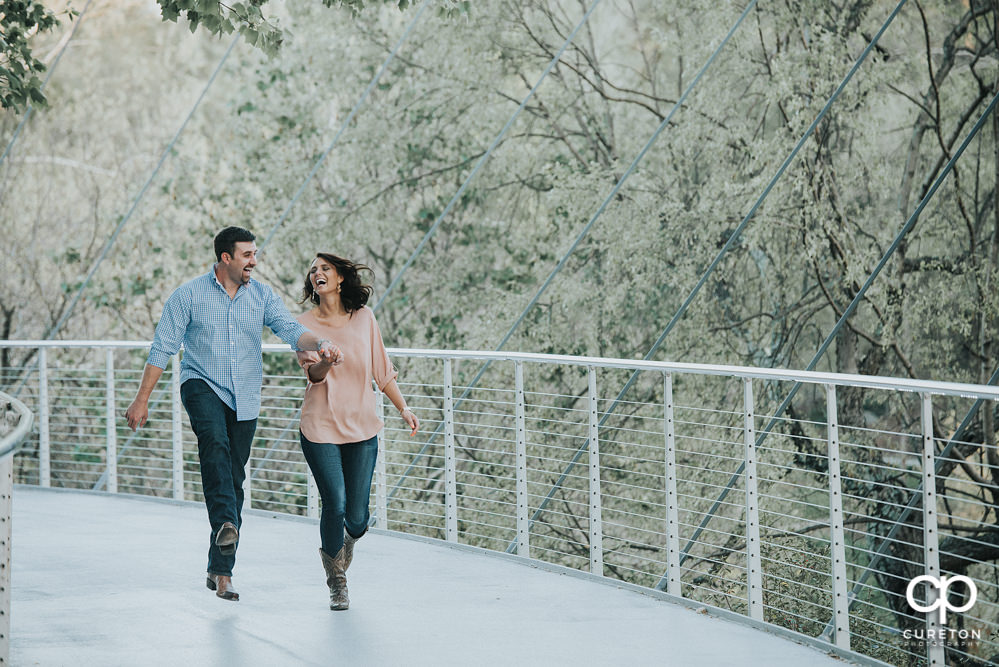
(9, 444)
(962, 389)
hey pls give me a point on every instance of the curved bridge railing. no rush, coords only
(815, 521)
(14, 428)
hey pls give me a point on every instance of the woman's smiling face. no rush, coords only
(324, 277)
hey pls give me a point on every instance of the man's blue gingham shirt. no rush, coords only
(222, 337)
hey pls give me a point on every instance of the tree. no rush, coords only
(247, 18)
(20, 20)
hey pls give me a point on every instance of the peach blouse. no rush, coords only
(340, 409)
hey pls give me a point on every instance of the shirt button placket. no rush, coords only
(232, 348)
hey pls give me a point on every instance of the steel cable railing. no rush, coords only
(906, 228)
(647, 480)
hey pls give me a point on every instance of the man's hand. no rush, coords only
(138, 411)
(330, 353)
(137, 414)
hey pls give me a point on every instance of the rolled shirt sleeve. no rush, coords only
(279, 320)
(171, 328)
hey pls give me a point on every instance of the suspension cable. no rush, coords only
(346, 122)
(103, 479)
(906, 228)
(107, 246)
(55, 63)
(731, 241)
(485, 156)
(603, 206)
(114, 236)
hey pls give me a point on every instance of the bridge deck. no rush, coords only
(105, 580)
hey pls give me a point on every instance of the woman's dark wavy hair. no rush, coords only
(353, 293)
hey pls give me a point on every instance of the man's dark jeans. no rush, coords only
(223, 448)
(343, 474)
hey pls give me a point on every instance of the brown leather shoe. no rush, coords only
(222, 585)
(226, 538)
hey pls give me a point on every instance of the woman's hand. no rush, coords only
(329, 353)
(411, 420)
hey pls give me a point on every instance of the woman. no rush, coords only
(339, 424)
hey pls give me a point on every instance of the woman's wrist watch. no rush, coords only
(319, 344)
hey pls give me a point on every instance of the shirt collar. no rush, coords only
(215, 279)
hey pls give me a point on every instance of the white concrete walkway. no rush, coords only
(102, 580)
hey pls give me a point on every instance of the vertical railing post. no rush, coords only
(596, 527)
(311, 495)
(754, 560)
(523, 521)
(248, 481)
(450, 473)
(381, 481)
(176, 429)
(44, 442)
(935, 650)
(672, 500)
(840, 589)
(110, 423)
(6, 509)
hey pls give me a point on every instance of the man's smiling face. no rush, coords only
(241, 263)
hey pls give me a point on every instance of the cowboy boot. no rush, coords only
(227, 538)
(336, 579)
(348, 547)
(222, 585)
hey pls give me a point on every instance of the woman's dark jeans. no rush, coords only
(223, 448)
(343, 474)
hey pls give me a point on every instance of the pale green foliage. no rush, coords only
(248, 19)
(20, 22)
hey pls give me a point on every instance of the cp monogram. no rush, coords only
(942, 603)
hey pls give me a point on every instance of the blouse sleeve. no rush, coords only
(382, 369)
(307, 358)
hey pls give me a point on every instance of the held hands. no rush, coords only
(330, 353)
(411, 420)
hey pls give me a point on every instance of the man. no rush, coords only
(219, 318)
